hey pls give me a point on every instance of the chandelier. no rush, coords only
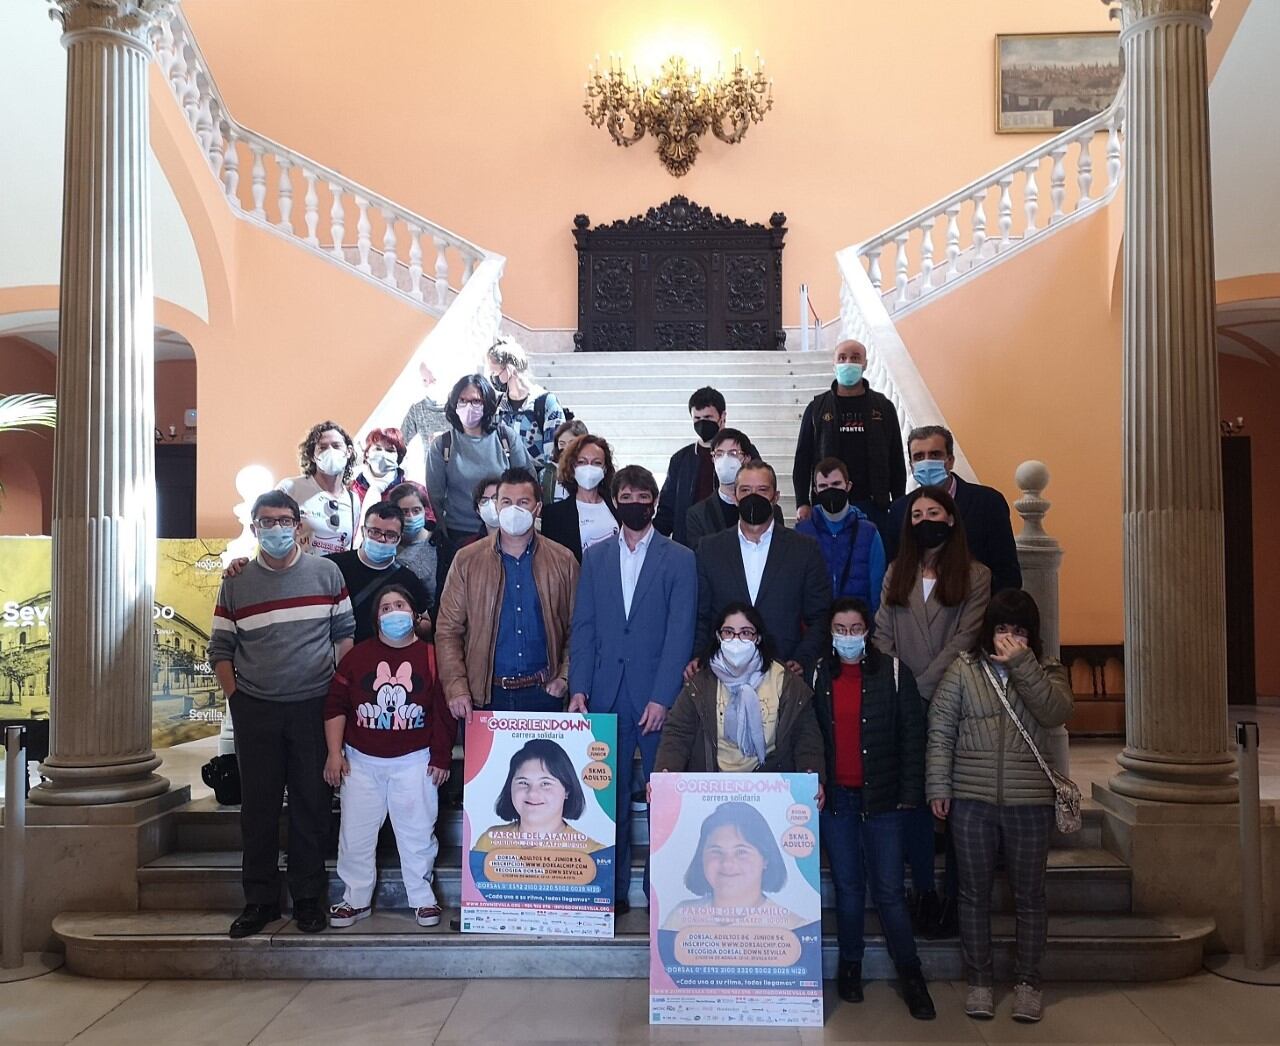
(677, 107)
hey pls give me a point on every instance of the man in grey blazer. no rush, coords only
(779, 572)
(632, 634)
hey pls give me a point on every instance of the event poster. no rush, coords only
(539, 823)
(186, 702)
(735, 906)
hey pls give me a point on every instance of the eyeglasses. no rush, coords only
(749, 634)
(270, 523)
(855, 630)
(470, 402)
(735, 454)
(387, 537)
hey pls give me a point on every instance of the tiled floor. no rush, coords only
(60, 1008)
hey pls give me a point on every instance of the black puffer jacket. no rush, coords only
(893, 733)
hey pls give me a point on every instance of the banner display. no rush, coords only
(735, 905)
(186, 702)
(539, 823)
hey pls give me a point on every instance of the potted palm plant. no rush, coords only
(28, 410)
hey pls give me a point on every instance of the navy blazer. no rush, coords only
(623, 662)
(987, 528)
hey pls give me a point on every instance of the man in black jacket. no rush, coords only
(852, 422)
(690, 473)
(983, 510)
(779, 572)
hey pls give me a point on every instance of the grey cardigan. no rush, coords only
(928, 636)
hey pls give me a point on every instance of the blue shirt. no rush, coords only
(521, 648)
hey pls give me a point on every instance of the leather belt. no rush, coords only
(520, 682)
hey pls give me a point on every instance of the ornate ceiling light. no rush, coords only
(677, 106)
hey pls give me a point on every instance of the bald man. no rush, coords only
(859, 426)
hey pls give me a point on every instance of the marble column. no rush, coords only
(1177, 745)
(104, 451)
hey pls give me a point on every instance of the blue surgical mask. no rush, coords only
(850, 648)
(413, 525)
(396, 624)
(277, 542)
(377, 553)
(848, 374)
(929, 473)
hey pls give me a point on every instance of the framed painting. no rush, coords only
(1048, 82)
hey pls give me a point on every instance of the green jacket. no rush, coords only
(975, 751)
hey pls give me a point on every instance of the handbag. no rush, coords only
(1066, 793)
(222, 774)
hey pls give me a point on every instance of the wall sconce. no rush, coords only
(677, 106)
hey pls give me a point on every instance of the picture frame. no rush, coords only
(1050, 82)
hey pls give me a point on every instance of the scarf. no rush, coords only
(743, 719)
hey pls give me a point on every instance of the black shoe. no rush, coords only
(927, 911)
(310, 916)
(849, 981)
(253, 920)
(621, 907)
(915, 993)
(948, 921)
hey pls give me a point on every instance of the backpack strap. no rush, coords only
(446, 444)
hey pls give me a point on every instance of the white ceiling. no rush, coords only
(1251, 330)
(41, 329)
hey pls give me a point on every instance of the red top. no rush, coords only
(846, 708)
(393, 702)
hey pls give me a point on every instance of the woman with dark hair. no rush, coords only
(934, 597)
(384, 451)
(330, 509)
(742, 711)
(984, 779)
(586, 471)
(540, 796)
(872, 720)
(552, 489)
(474, 446)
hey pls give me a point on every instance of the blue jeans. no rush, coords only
(526, 699)
(920, 852)
(861, 849)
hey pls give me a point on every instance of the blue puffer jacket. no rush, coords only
(853, 552)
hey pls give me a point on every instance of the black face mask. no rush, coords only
(930, 533)
(832, 500)
(635, 515)
(755, 509)
(706, 428)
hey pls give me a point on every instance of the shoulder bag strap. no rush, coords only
(1000, 693)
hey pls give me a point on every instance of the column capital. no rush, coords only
(131, 18)
(1135, 15)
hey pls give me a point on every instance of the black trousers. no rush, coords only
(279, 744)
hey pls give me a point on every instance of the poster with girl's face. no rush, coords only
(538, 822)
(735, 906)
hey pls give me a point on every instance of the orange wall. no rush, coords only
(471, 113)
(175, 392)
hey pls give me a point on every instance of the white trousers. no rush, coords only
(375, 788)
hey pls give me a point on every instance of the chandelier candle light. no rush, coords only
(677, 106)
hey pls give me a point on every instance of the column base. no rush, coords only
(1165, 781)
(100, 783)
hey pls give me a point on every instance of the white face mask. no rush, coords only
(515, 520)
(380, 462)
(588, 477)
(489, 514)
(331, 461)
(727, 469)
(737, 652)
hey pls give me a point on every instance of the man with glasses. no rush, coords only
(280, 626)
(372, 566)
(729, 449)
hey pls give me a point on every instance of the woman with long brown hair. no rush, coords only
(587, 516)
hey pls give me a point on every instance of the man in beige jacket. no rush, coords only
(502, 630)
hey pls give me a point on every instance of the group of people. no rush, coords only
(877, 645)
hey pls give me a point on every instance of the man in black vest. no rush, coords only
(691, 475)
(852, 422)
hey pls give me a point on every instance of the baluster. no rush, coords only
(415, 263)
(311, 207)
(336, 215)
(1057, 182)
(926, 254)
(1113, 149)
(389, 247)
(231, 167)
(468, 267)
(162, 41)
(901, 264)
(191, 91)
(259, 176)
(979, 220)
(1084, 169)
(873, 267)
(363, 241)
(442, 270)
(1031, 197)
(1005, 219)
(953, 239)
(178, 70)
(204, 115)
(216, 145)
(285, 165)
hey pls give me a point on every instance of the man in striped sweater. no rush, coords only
(279, 628)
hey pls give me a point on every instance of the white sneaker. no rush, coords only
(344, 915)
(1028, 1003)
(428, 915)
(979, 1003)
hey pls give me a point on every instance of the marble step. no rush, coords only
(674, 395)
(1079, 880)
(194, 944)
(544, 362)
(673, 418)
(662, 381)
